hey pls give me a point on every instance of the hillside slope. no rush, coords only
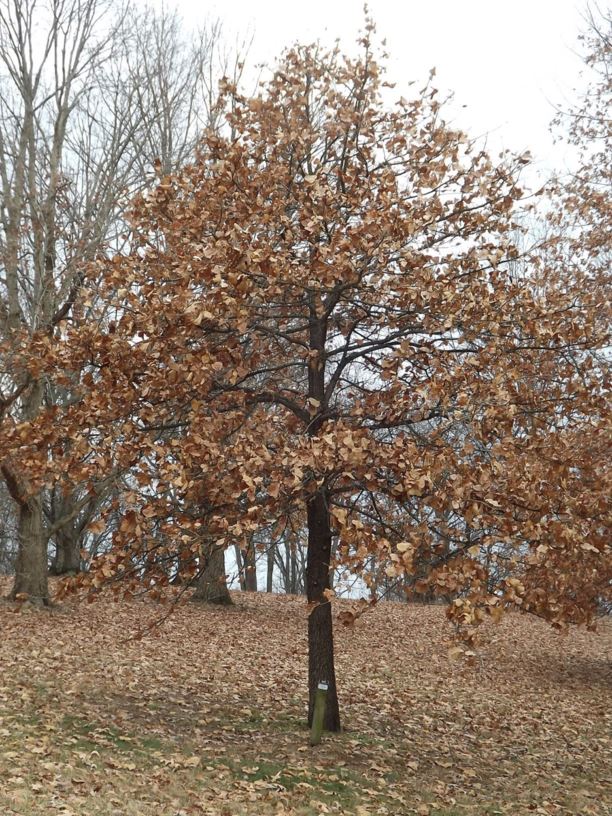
(206, 715)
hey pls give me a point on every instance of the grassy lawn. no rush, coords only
(206, 716)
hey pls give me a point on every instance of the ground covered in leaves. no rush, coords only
(207, 716)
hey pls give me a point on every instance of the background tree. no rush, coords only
(575, 257)
(585, 126)
(580, 219)
(92, 94)
(39, 264)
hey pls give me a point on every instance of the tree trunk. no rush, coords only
(240, 567)
(320, 628)
(250, 569)
(270, 567)
(67, 559)
(31, 566)
(287, 575)
(211, 586)
(293, 570)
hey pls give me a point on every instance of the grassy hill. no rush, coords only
(206, 715)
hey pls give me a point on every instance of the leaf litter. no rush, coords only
(207, 714)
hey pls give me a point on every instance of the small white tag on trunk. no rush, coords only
(323, 686)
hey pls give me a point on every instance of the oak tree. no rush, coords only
(318, 320)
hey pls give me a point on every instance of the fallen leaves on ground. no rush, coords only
(206, 716)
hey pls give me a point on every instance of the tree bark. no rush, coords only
(211, 586)
(31, 565)
(320, 627)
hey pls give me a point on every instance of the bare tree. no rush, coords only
(47, 73)
(92, 96)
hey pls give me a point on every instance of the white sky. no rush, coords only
(508, 61)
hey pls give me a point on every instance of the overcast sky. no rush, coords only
(507, 61)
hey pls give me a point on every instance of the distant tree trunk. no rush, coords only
(31, 566)
(250, 569)
(68, 515)
(270, 567)
(287, 574)
(31, 563)
(293, 573)
(211, 586)
(67, 559)
(240, 567)
(293, 570)
(320, 628)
